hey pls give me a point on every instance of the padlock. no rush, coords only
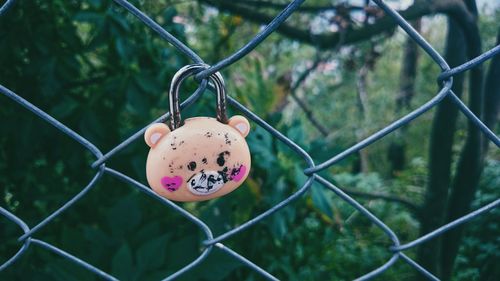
(202, 158)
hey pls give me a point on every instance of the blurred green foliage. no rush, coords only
(101, 72)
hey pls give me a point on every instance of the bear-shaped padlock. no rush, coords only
(203, 158)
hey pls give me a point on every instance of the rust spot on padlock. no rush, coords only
(213, 159)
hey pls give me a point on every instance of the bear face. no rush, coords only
(201, 160)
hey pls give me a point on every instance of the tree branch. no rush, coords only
(306, 9)
(307, 111)
(331, 40)
(309, 114)
(380, 196)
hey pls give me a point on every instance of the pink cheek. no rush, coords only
(241, 172)
(171, 183)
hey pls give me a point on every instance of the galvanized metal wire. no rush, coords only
(311, 171)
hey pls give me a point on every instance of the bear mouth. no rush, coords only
(206, 182)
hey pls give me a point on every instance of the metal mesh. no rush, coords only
(397, 249)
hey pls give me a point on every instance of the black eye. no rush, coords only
(192, 165)
(220, 160)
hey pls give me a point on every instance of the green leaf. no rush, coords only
(148, 84)
(87, 16)
(261, 145)
(300, 177)
(136, 101)
(278, 226)
(169, 14)
(64, 270)
(64, 108)
(217, 266)
(151, 254)
(95, 3)
(182, 251)
(119, 21)
(123, 48)
(91, 127)
(124, 216)
(322, 200)
(122, 265)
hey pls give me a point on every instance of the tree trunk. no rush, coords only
(492, 95)
(471, 161)
(408, 71)
(440, 154)
(363, 156)
(397, 148)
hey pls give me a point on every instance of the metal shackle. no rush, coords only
(173, 94)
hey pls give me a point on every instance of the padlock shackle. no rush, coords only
(173, 94)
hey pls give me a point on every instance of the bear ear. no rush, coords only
(154, 133)
(241, 124)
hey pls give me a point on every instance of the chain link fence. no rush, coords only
(397, 249)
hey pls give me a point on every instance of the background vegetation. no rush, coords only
(100, 71)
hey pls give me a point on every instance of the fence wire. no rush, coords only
(397, 249)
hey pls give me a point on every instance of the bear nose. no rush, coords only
(206, 182)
